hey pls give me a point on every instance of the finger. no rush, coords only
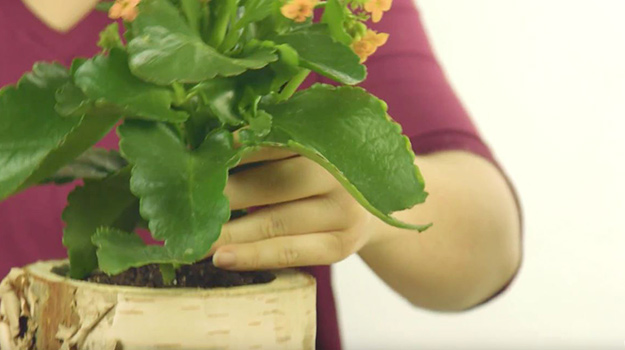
(277, 182)
(267, 153)
(291, 251)
(288, 219)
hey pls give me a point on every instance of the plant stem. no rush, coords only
(205, 22)
(231, 39)
(292, 85)
(168, 272)
(191, 9)
(180, 95)
(222, 19)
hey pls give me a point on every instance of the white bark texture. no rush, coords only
(42, 310)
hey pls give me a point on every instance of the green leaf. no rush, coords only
(255, 10)
(334, 17)
(286, 67)
(261, 123)
(273, 24)
(95, 163)
(108, 81)
(273, 77)
(181, 190)
(348, 132)
(35, 141)
(76, 63)
(107, 202)
(118, 251)
(319, 52)
(30, 129)
(71, 101)
(220, 97)
(109, 38)
(166, 50)
(91, 129)
(200, 123)
(288, 56)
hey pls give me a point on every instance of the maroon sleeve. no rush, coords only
(406, 74)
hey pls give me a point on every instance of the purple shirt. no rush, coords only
(404, 73)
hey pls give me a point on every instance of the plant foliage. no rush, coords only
(187, 76)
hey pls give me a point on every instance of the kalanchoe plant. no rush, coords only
(198, 85)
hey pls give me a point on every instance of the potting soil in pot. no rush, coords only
(199, 275)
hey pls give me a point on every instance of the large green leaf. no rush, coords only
(91, 129)
(348, 132)
(108, 81)
(107, 202)
(320, 53)
(166, 50)
(35, 141)
(181, 190)
(29, 126)
(119, 250)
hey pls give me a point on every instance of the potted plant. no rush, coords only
(192, 88)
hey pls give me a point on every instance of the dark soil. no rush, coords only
(199, 275)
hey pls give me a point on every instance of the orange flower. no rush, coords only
(375, 38)
(368, 44)
(126, 9)
(377, 8)
(298, 10)
(363, 49)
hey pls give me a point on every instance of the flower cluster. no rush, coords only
(365, 41)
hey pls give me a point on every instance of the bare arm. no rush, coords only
(472, 250)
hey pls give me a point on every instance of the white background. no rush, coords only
(545, 83)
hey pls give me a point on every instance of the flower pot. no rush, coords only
(42, 310)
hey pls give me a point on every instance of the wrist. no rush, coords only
(381, 233)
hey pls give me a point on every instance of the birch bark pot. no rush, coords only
(42, 310)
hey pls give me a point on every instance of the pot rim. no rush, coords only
(286, 280)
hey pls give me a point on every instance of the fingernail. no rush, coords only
(224, 259)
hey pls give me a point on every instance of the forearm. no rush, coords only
(472, 250)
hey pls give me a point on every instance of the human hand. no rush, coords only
(307, 218)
